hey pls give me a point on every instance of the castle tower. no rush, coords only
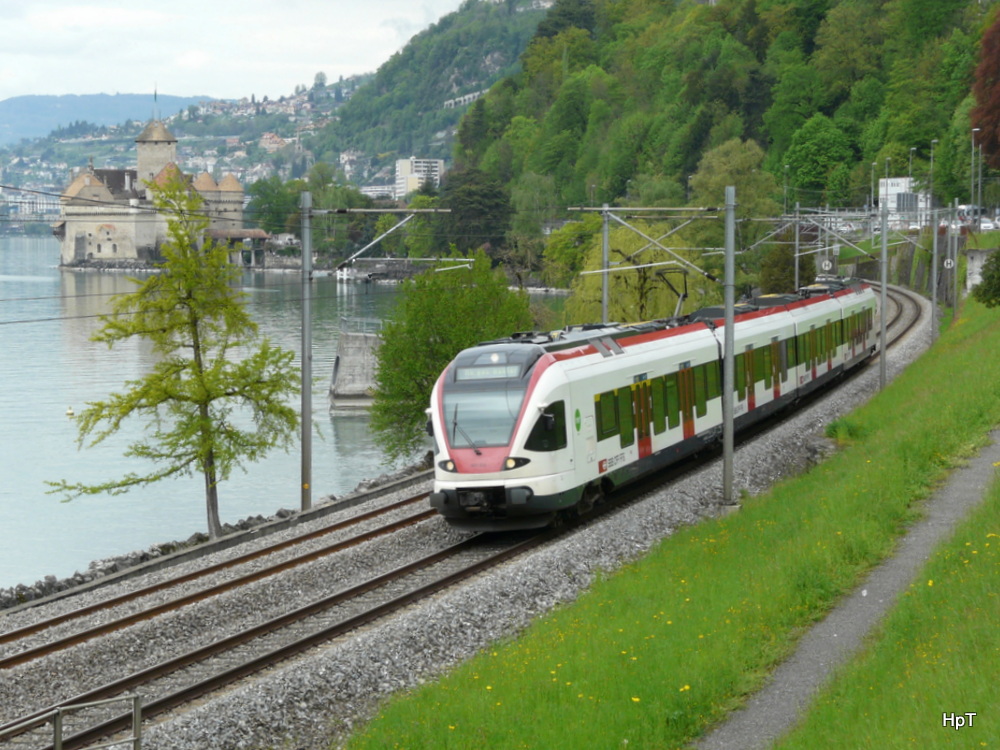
(156, 147)
(208, 189)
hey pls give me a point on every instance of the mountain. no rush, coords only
(37, 116)
(416, 98)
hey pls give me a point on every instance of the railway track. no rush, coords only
(905, 312)
(194, 672)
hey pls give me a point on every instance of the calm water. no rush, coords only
(48, 363)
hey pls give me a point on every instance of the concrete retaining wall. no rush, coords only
(354, 371)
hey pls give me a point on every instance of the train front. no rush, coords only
(499, 425)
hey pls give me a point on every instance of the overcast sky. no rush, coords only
(215, 48)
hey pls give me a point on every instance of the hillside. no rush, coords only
(404, 110)
(37, 116)
(651, 102)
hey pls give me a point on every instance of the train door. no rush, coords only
(813, 351)
(831, 344)
(685, 381)
(776, 367)
(643, 401)
(750, 379)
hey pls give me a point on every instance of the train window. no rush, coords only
(625, 418)
(700, 391)
(783, 359)
(759, 365)
(740, 381)
(549, 432)
(767, 366)
(714, 380)
(481, 417)
(607, 415)
(659, 398)
(673, 400)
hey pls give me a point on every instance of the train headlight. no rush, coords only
(515, 463)
(446, 465)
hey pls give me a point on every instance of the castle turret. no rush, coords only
(230, 203)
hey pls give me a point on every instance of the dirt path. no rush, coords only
(776, 707)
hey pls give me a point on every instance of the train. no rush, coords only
(538, 426)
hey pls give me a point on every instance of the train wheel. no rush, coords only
(592, 495)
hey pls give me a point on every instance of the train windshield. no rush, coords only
(482, 417)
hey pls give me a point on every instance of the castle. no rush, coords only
(107, 218)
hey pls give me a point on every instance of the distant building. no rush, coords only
(107, 217)
(907, 206)
(461, 101)
(272, 142)
(378, 191)
(413, 173)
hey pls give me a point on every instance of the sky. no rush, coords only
(214, 48)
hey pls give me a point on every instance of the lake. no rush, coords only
(49, 364)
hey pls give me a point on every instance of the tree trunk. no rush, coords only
(212, 497)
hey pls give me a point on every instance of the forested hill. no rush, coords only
(402, 112)
(655, 102)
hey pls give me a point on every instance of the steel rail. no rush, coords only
(158, 706)
(26, 655)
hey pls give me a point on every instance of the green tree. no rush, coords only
(273, 204)
(816, 149)
(797, 96)
(645, 281)
(777, 271)
(849, 42)
(438, 315)
(566, 14)
(418, 234)
(480, 211)
(217, 398)
(567, 247)
(988, 290)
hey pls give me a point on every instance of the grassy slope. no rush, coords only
(657, 652)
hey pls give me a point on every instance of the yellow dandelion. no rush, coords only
(930, 582)
(635, 699)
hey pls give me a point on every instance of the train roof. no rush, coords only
(575, 335)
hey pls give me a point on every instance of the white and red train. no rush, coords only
(535, 425)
